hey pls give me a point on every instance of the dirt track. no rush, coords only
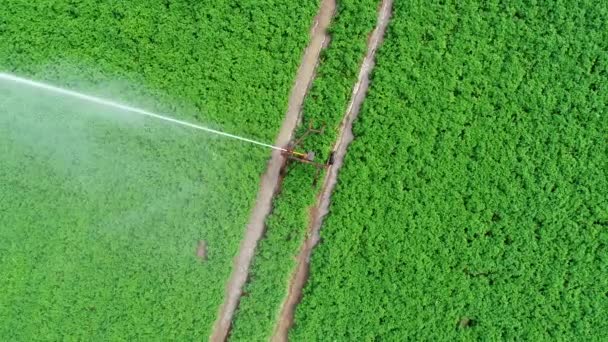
(300, 276)
(270, 179)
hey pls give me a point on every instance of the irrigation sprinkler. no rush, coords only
(290, 153)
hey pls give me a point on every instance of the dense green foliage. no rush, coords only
(100, 215)
(472, 204)
(286, 226)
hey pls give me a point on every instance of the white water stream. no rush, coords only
(126, 108)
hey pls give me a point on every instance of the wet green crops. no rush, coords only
(472, 203)
(101, 213)
(100, 221)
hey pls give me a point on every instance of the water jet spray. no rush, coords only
(288, 152)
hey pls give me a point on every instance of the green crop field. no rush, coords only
(471, 205)
(473, 202)
(101, 212)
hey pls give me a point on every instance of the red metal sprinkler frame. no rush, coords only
(307, 158)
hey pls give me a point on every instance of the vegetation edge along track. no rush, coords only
(271, 178)
(300, 275)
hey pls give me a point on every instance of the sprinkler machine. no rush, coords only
(291, 154)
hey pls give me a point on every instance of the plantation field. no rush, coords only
(100, 222)
(101, 212)
(471, 206)
(472, 203)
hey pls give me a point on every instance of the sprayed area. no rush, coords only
(345, 137)
(101, 215)
(106, 211)
(130, 109)
(270, 180)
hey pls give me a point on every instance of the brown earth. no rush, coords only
(345, 137)
(270, 179)
(201, 250)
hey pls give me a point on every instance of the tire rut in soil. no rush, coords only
(345, 137)
(271, 178)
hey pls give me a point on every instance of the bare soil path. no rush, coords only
(345, 137)
(270, 179)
